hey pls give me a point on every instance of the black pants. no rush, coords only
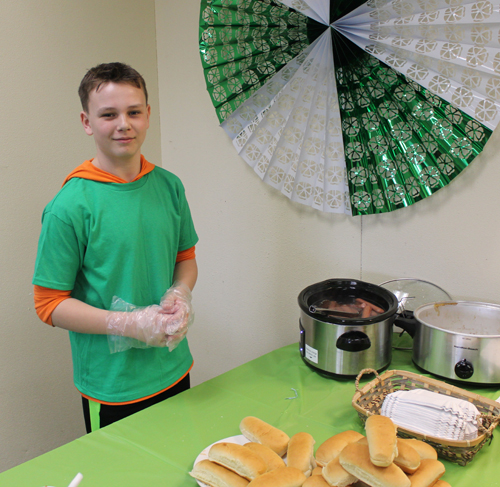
(110, 414)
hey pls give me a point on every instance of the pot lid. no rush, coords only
(412, 293)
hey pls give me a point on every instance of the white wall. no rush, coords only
(46, 49)
(258, 250)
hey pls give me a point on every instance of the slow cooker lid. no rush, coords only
(412, 293)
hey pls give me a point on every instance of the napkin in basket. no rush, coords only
(432, 414)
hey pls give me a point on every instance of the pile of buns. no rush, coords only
(379, 459)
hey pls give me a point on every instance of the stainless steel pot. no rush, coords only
(343, 346)
(458, 340)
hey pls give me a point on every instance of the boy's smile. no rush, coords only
(118, 118)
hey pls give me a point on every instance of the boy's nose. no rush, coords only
(123, 123)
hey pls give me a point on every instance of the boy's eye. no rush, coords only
(107, 115)
(135, 112)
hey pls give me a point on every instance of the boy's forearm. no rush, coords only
(74, 315)
(186, 271)
(148, 324)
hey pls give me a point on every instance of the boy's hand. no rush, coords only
(165, 325)
(148, 325)
(176, 304)
(174, 340)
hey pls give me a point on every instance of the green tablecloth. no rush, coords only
(157, 447)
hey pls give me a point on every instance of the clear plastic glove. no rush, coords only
(174, 340)
(176, 303)
(129, 326)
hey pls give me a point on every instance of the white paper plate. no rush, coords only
(239, 439)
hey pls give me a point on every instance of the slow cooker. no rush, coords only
(458, 340)
(338, 342)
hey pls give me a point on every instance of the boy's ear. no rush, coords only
(86, 123)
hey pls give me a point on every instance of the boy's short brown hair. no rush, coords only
(109, 73)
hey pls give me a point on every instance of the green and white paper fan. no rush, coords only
(354, 107)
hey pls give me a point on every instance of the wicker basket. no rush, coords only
(368, 401)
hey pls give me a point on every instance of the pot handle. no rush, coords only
(408, 323)
(353, 341)
(365, 371)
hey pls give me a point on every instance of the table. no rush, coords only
(157, 447)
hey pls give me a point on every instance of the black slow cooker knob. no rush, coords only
(464, 369)
(353, 341)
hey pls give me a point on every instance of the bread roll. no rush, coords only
(300, 453)
(281, 477)
(272, 459)
(337, 475)
(408, 459)
(259, 431)
(381, 435)
(424, 449)
(355, 458)
(428, 473)
(237, 458)
(316, 481)
(317, 470)
(216, 476)
(441, 483)
(331, 448)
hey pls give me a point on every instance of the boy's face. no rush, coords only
(118, 118)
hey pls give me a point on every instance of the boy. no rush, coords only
(116, 262)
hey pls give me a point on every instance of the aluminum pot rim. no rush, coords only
(454, 303)
(374, 288)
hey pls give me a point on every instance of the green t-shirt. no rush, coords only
(102, 240)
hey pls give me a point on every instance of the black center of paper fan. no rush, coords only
(340, 8)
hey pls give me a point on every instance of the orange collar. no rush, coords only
(88, 171)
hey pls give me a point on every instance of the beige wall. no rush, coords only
(257, 249)
(46, 49)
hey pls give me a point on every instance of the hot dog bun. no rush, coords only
(381, 435)
(272, 459)
(216, 476)
(441, 483)
(281, 477)
(237, 458)
(427, 474)
(337, 475)
(355, 458)
(408, 459)
(259, 431)
(424, 449)
(316, 481)
(331, 448)
(300, 453)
